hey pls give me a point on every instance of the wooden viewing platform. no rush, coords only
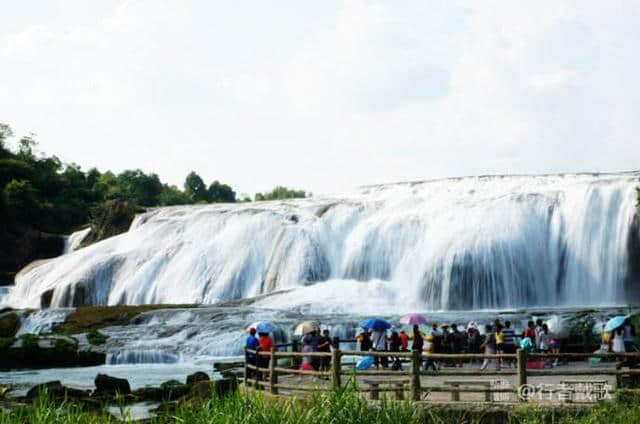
(575, 383)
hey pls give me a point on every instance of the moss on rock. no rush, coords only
(86, 318)
(9, 324)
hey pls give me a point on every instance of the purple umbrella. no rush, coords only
(413, 319)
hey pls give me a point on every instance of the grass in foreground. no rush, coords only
(338, 407)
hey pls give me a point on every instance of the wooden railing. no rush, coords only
(412, 382)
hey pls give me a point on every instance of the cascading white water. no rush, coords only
(4, 295)
(72, 242)
(465, 243)
(42, 321)
(141, 357)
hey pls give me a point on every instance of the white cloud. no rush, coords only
(326, 95)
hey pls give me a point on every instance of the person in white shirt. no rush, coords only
(379, 344)
(618, 340)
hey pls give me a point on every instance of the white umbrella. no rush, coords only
(306, 327)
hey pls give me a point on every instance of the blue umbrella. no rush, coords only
(376, 324)
(264, 327)
(614, 323)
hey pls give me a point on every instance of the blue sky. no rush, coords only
(325, 95)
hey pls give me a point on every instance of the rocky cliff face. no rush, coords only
(20, 246)
(632, 283)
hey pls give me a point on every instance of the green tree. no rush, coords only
(139, 187)
(21, 201)
(171, 195)
(5, 133)
(26, 149)
(218, 192)
(279, 193)
(194, 188)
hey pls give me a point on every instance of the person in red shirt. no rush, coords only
(530, 332)
(265, 343)
(404, 341)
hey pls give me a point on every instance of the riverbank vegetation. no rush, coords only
(337, 407)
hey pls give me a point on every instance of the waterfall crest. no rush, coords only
(464, 243)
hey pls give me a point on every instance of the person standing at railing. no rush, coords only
(417, 342)
(530, 332)
(266, 344)
(324, 346)
(251, 343)
(629, 335)
(509, 341)
(538, 332)
(430, 348)
(404, 341)
(365, 340)
(315, 342)
(499, 342)
(437, 337)
(473, 338)
(489, 346)
(307, 360)
(379, 344)
(458, 343)
(394, 346)
(618, 340)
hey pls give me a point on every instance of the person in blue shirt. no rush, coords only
(252, 344)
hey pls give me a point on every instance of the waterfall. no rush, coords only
(142, 357)
(72, 242)
(41, 321)
(463, 243)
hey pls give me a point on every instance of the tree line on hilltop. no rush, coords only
(42, 192)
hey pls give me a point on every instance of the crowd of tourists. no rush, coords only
(620, 339)
(496, 337)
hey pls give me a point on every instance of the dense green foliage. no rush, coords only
(337, 407)
(41, 192)
(280, 193)
(96, 338)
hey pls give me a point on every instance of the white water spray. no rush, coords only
(467, 243)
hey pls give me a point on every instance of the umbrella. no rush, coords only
(376, 324)
(365, 363)
(413, 319)
(306, 327)
(264, 327)
(614, 323)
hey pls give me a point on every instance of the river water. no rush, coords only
(172, 343)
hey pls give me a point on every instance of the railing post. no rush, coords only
(415, 375)
(258, 374)
(246, 367)
(273, 374)
(522, 372)
(336, 368)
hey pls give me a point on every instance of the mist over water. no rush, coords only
(466, 243)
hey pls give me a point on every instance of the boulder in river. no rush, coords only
(107, 385)
(174, 389)
(9, 324)
(56, 391)
(221, 387)
(196, 377)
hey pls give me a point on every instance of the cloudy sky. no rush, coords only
(325, 95)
